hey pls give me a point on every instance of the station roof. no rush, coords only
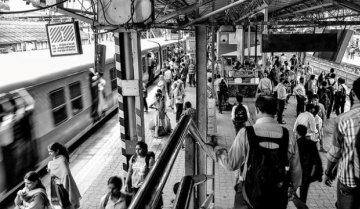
(222, 12)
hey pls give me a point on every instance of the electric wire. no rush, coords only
(32, 10)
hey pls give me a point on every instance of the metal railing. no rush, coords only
(150, 193)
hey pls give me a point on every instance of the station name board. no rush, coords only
(64, 39)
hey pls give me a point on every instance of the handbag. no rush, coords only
(59, 195)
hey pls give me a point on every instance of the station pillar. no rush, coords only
(129, 88)
(201, 104)
(265, 31)
(240, 32)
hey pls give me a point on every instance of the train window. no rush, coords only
(58, 106)
(143, 63)
(76, 97)
(113, 79)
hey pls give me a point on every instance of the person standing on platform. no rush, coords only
(310, 87)
(145, 94)
(265, 86)
(281, 99)
(115, 199)
(222, 94)
(217, 88)
(179, 96)
(239, 114)
(167, 79)
(324, 96)
(340, 97)
(188, 110)
(140, 165)
(293, 60)
(64, 191)
(33, 195)
(300, 94)
(322, 115)
(102, 96)
(192, 72)
(268, 189)
(332, 87)
(343, 157)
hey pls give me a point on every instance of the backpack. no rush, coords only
(222, 86)
(127, 199)
(240, 115)
(266, 183)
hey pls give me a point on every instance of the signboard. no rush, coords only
(64, 39)
(130, 87)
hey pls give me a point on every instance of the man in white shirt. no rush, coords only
(300, 94)
(281, 97)
(307, 119)
(265, 86)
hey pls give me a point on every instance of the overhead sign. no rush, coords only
(64, 39)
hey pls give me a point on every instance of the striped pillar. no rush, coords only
(131, 119)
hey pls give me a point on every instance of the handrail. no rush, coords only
(187, 184)
(207, 202)
(149, 194)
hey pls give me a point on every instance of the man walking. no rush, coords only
(239, 114)
(342, 153)
(268, 188)
(281, 98)
(299, 91)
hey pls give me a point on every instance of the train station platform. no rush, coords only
(98, 158)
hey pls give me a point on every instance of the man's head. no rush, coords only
(341, 81)
(301, 130)
(239, 99)
(332, 70)
(209, 79)
(115, 185)
(310, 108)
(324, 84)
(218, 76)
(332, 75)
(282, 79)
(301, 79)
(266, 105)
(315, 99)
(312, 77)
(187, 105)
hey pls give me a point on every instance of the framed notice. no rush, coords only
(64, 39)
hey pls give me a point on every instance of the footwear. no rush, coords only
(282, 122)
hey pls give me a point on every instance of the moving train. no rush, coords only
(45, 99)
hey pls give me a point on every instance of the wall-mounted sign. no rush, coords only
(64, 39)
(130, 87)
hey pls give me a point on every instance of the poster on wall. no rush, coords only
(64, 39)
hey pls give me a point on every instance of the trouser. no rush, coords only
(347, 197)
(168, 87)
(192, 79)
(238, 127)
(329, 110)
(145, 104)
(300, 105)
(220, 100)
(280, 110)
(304, 189)
(340, 108)
(179, 109)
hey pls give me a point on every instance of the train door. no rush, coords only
(18, 149)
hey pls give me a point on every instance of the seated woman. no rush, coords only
(33, 195)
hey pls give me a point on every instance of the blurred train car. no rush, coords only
(45, 99)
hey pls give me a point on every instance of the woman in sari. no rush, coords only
(159, 116)
(33, 195)
(64, 191)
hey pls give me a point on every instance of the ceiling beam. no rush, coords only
(178, 12)
(309, 23)
(307, 9)
(349, 5)
(258, 9)
(204, 17)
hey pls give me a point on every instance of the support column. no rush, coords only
(241, 32)
(249, 42)
(130, 103)
(265, 31)
(201, 103)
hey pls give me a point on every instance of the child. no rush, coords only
(310, 161)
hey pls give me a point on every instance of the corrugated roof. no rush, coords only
(12, 32)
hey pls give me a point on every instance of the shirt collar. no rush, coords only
(265, 119)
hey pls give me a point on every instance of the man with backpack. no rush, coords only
(266, 156)
(239, 114)
(343, 154)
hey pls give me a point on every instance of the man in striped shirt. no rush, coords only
(343, 154)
